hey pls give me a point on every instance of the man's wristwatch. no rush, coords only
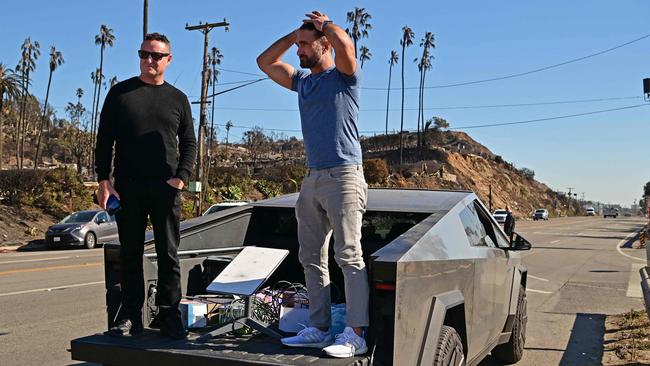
(325, 23)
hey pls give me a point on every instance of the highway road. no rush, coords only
(577, 276)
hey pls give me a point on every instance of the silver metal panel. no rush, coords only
(385, 199)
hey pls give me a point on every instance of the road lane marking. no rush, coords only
(538, 291)
(538, 278)
(46, 259)
(51, 288)
(620, 243)
(634, 283)
(555, 241)
(44, 269)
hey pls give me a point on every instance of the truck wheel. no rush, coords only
(450, 348)
(512, 351)
(90, 240)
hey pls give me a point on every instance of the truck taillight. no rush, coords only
(385, 287)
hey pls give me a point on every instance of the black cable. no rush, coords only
(525, 72)
(548, 118)
(451, 107)
(480, 126)
(237, 87)
(494, 78)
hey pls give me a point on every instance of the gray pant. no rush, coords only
(332, 201)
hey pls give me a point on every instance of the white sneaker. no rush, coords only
(309, 337)
(347, 344)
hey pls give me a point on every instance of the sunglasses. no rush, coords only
(156, 56)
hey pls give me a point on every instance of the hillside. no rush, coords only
(459, 162)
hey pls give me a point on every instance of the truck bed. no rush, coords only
(149, 348)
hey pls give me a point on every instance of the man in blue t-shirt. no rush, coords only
(333, 194)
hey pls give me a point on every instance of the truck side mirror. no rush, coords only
(519, 243)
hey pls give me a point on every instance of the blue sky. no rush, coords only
(603, 155)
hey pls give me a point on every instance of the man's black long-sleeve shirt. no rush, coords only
(144, 122)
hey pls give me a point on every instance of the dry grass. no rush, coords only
(627, 339)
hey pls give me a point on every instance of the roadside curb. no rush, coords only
(26, 247)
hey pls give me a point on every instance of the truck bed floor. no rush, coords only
(150, 348)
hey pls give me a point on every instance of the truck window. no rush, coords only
(474, 229)
(494, 233)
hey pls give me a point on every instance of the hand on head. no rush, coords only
(317, 18)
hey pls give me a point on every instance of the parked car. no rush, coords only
(540, 214)
(610, 212)
(590, 211)
(82, 228)
(222, 206)
(446, 284)
(500, 216)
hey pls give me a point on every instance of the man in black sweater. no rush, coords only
(142, 118)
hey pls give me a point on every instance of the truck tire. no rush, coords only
(450, 348)
(511, 352)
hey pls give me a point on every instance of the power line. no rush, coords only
(510, 76)
(477, 126)
(451, 107)
(548, 118)
(526, 72)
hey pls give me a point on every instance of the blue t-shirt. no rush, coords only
(329, 107)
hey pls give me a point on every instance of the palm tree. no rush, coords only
(424, 65)
(29, 55)
(359, 26)
(394, 58)
(215, 58)
(365, 54)
(407, 40)
(10, 84)
(103, 39)
(229, 125)
(56, 59)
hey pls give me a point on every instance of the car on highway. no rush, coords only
(610, 212)
(223, 206)
(500, 216)
(540, 214)
(82, 228)
(447, 285)
(590, 211)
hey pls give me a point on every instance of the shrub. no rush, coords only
(375, 171)
(56, 191)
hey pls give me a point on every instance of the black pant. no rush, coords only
(142, 198)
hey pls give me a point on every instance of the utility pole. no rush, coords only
(145, 18)
(205, 29)
(569, 204)
(490, 198)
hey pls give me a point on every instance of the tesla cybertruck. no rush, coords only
(447, 286)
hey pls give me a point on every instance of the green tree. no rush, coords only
(10, 84)
(75, 138)
(30, 51)
(359, 25)
(103, 39)
(407, 40)
(365, 55)
(56, 60)
(394, 58)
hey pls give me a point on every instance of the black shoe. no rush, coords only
(170, 324)
(124, 327)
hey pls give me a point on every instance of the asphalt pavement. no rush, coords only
(577, 275)
(579, 271)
